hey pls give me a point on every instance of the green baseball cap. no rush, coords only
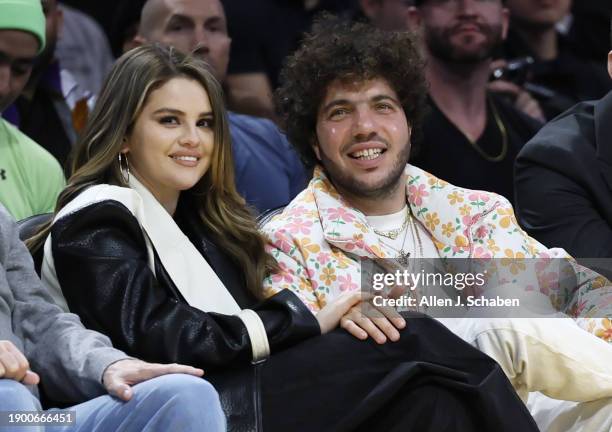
(25, 15)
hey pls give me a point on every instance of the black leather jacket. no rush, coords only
(100, 260)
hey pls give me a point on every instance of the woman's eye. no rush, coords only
(169, 120)
(384, 107)
(206, 123)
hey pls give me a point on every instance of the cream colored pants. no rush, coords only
(552, 356)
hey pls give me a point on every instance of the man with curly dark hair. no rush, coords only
(351, 99)
(319, 65)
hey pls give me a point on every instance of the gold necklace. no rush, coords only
(504, 133)
(404, 255)
(392, 234)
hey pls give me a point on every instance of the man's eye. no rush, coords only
(20, 70)
(384, 107)
(170, 120)
(338, 113)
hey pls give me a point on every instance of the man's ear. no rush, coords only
(60, 22)
(610, 63)
(414, 18)
(135, 42)
(505, 22)
(316, 149)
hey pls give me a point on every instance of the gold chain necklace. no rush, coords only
(392, 234)
(402, 259)
(504, 133)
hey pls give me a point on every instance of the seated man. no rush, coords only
(351, 98)
(30, 178)
(563, 179)
(73, 364)
(561, 75)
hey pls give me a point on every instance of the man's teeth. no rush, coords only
(186, 158)
(367, 154)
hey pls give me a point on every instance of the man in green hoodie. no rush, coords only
(30, 178)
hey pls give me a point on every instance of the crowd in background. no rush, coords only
(482, 109)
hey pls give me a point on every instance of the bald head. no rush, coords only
(191, 26)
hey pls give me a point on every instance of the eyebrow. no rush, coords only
(23, 61)
(180, 19)
(217, 19)
(377, 98)
(174, 111)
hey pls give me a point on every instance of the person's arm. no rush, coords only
(556, 210)
(115, 292)
(298, 174)
(47, 180)
(70, 359)
(345, 311)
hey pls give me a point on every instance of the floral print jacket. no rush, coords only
(317, 236)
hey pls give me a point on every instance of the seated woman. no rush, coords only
(152, 245)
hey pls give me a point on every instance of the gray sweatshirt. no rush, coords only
(69, 359)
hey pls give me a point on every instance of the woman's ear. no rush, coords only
(124, 146)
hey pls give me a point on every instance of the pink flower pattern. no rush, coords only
(484, 227)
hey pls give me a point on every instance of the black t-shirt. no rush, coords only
(265, 32)
(444, 151)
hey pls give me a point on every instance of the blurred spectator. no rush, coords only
(83, 49)
(589, 29)
(268, 171)
(559, 77)
(52, 104)
(104, 12)
(125, 26)
(564, 178)
(386, 14)
(264, 33)
(471, 136)
(30, 178)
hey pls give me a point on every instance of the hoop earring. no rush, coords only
(124, 162)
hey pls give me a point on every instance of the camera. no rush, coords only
(515, 70)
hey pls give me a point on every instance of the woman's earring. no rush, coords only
(124, 166)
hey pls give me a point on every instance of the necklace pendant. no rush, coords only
(403, 258)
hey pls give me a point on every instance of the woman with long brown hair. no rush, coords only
(152, 245)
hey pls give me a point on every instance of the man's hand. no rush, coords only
(14, 365)
(380, 323)
(329, 317)
(523, 101)
(120, 376)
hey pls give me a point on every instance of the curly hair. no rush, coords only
(341, 50)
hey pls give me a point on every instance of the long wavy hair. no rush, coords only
(222, 210)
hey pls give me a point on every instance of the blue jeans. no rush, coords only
(168, 403)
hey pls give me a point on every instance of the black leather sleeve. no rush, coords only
(101, 263)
